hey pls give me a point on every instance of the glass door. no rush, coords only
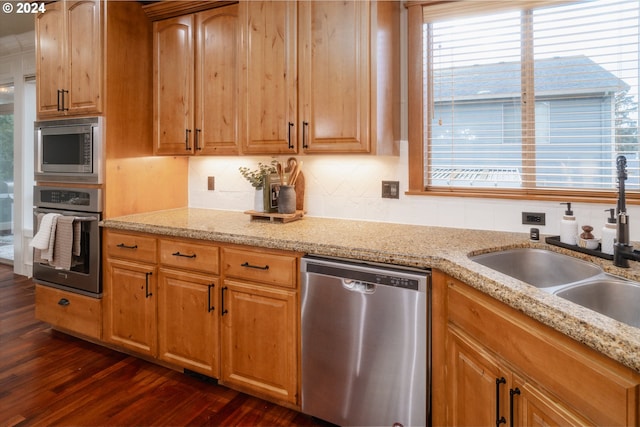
(6, 172)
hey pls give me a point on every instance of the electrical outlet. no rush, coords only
(211, 183)
(390, 189)
(533, 218)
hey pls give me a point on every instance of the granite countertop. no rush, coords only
(446, 249)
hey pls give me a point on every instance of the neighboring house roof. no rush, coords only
(554, 76)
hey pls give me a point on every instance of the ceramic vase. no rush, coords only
(258, 201)
(287, 199)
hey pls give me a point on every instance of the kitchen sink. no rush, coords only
(539, 267)
(615, 298)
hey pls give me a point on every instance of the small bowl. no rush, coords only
(588, 243)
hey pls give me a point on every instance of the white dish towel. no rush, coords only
(45, 236)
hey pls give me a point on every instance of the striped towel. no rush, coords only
(64, 243)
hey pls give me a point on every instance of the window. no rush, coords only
(537, 100)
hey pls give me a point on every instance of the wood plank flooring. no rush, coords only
(48, 378)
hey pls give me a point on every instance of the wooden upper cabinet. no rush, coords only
(173, 70)
(69, 58)
(320, 77)
(195, 78)
(269, 67)
(334, 76)
(217, 81)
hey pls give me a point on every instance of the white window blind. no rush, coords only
(540, 98)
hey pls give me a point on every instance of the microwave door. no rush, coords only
(66, 153)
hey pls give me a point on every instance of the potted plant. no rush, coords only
(257, 178)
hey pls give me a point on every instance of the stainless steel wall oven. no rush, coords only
(82, 207)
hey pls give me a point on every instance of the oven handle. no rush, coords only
(75, 215)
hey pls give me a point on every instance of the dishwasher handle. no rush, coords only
(357, 286)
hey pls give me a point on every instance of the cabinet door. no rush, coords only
(334, 89)
(534, 408)
(479, 387)
(217, 81)
(173, 74)
(50, 59)
(84, 57)
(269, 94)
(259, 340)
(130, 306)
(188, 321)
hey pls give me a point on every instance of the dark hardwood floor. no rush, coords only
(48, 378)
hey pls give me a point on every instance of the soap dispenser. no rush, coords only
(568, 226)
(609, 232)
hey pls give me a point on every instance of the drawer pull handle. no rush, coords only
(305, 126)
(257, 267)
(123, 246)
(63, 302)
(290, 144)
(223, 310)
(183, 255)
(210, 308)
(499, 419)
(512, 393)
(146, 285)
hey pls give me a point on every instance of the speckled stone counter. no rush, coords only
(446, 249)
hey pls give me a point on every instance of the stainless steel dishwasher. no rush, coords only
(365, 343)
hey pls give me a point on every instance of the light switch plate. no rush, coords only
(390, 189)
(211, 183)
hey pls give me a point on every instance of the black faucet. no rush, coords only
(622, 249)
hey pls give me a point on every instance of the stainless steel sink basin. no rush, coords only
(539, 267)
(614, 298)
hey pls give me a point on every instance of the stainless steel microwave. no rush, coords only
(69, 150)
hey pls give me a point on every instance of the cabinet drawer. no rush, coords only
(190, 256)
(66, 310)
(261, 266)
(130, 246)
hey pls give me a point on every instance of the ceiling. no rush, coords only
(16, 33)
(14, 23)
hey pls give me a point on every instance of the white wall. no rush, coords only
(349, 186)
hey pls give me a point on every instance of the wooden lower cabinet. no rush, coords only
(170, 299)
(479, 381)
(188, 316)
(130, 295)
(69, 311)
(500, 367)
(259, 340)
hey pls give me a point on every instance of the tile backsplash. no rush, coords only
(349, 187)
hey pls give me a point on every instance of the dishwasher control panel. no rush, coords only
(377, 277)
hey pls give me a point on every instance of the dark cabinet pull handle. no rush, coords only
(305, 127)
(223, 310)
(210, 308)
(123, 246)
(257, 267)
(499, 419)
(146, 289)
(289, 137)
(63, 302)
(183, 255)
(197, 140)
(512, 393)
(63, 103)
(186, 139)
